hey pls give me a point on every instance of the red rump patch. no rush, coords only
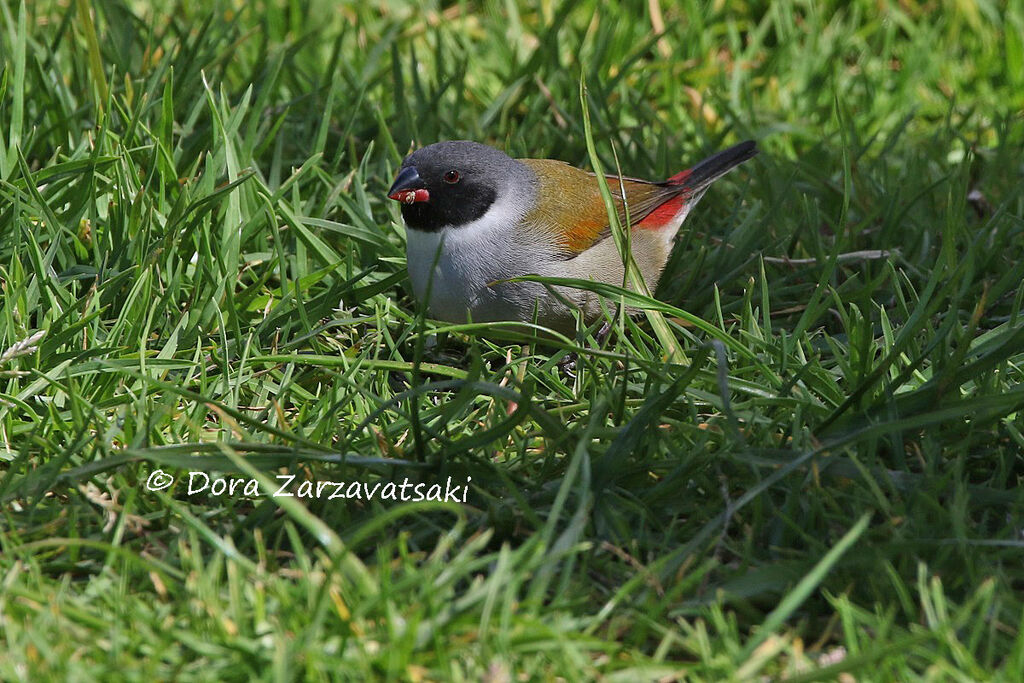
(664, 214)
(679, 178)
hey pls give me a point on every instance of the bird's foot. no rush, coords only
(568, 364)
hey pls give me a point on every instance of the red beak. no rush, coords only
(408, 187)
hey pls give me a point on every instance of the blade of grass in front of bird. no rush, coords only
(673, 350)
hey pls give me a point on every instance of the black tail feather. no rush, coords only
(715, 166)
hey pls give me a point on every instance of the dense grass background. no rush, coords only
(199, 271)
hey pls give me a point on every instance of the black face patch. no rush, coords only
(449, 204)
(463, 179)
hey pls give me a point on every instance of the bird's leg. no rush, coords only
(568, 364)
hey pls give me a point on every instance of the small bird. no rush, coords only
(476, 217)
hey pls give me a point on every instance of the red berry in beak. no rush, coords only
(408, 187)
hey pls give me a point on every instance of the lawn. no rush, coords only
(802, 463)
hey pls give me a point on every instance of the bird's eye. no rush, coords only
(451, 177)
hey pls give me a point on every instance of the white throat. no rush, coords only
(451, 269)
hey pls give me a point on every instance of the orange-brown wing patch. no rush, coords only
(569, 210)
(571, 213)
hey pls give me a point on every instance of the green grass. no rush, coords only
(199, 271)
